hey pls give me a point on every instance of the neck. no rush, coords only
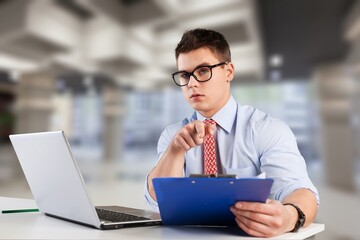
(212, 112)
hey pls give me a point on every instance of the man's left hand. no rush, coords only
(264, 219)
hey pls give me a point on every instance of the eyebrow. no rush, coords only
(199, 65)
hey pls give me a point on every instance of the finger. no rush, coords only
(252, 228)
(199, 129)
(198, 136)
(264, 208)
(181, 143)
(254, 216)
(189, 140)
(186, 134)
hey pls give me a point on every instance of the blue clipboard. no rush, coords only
(206, 201)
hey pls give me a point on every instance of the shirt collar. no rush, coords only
(225, 117)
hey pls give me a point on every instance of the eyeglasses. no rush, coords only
(201, 74)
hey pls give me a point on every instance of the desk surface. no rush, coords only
(38, 226)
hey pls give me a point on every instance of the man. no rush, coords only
(249, 142)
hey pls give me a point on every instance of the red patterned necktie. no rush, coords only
(210, 166)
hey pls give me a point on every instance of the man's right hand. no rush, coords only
(171, 164)
(192, 135)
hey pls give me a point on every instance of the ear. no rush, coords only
(229, 72)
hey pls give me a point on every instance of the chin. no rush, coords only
(199, 107)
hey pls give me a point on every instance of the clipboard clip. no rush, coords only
(197, 175)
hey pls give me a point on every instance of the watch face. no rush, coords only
(301, 218)
(301, 221)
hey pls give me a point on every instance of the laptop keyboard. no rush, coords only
(111, 216)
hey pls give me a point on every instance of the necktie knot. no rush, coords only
(209, 121)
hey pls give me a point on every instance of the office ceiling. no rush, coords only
(303, 32)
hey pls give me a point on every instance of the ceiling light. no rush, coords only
(276, 60)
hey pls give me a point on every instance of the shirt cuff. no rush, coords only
(288, 190)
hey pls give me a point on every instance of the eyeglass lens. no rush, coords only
(200, 74)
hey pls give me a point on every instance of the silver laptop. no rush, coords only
(58, 186)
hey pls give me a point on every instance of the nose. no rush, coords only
(192, 81)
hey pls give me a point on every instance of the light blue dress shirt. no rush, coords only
(249, 142)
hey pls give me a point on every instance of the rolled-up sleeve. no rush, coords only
(281, 159)
(150, 202)
(163, 144)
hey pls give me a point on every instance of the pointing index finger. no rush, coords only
(199, 127)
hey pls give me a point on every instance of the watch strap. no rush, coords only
(301, 217)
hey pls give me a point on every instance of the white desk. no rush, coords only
(38, 226)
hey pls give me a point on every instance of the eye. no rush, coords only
(203, 71)
(185, 75)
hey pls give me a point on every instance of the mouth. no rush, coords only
(196, 95)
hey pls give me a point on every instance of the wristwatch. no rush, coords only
(301, 217)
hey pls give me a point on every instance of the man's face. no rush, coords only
(206, 97)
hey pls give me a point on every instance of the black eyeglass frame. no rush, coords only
(192, 73)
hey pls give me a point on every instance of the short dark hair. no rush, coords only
(200, 37)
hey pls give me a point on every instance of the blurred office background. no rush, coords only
(100, 71)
